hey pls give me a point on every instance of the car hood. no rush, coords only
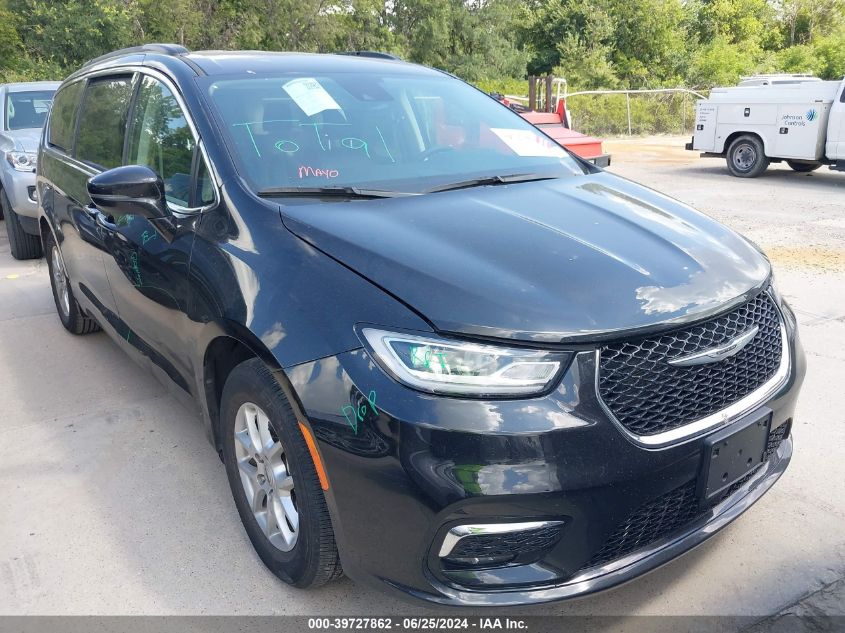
(20, 140)
(552, 261)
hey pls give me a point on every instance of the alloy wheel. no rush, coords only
(60, 281)
(265, 477)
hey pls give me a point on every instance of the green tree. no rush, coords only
(366, 25)
(720, 63)
(178, 21)
(649, 41)
(803, 20)
(747, 23)
(481, 42)
(69, 32)
(12, 56)
(831, 55)
(557, 33)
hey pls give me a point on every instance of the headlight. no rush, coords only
(452, 367)
(22, 161)
(785, 308)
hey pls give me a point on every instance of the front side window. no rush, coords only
(205, 186)
(401, 131)
(27, 109)
(161, 140)
(63, 116)
(102, 121)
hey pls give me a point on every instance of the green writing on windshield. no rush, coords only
(291, 136)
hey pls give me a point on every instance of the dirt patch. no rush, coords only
(816, 257)
(652, 149)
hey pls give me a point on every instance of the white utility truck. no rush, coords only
(802, 123)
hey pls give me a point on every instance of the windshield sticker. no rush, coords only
(528, 143)
(310, 96)
(323, 173)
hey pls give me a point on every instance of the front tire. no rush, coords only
(22, 244)
(746, 157)
(273, 479)
(803, 168)
(71, 315)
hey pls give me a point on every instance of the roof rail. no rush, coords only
(779, 76)
(376, 54)
(161, 49)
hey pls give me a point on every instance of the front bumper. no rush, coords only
(20, 189)
(417, 465)
(602, 160)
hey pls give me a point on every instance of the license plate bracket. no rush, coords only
(730, 454)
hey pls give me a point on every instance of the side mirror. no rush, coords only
(132, 189)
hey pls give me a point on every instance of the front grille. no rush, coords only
(671, 512)
(649, 396)
(510, 544)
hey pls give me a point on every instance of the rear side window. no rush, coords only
(102, 121)
(161, 139)
(63, 116)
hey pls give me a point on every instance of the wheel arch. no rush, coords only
(45, 229)
(47, 223)
(228, 345)
(735, 135)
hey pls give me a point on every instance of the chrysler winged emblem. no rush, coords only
(715, 354)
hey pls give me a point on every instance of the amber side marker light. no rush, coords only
(315, 456)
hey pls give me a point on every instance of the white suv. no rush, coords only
(25, 107)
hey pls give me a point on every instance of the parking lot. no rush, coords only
(115, 503)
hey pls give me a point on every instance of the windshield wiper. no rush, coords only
(345, 192)
(490, 180)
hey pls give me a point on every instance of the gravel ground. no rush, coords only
(114, 502)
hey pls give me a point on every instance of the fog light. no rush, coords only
(497, 544)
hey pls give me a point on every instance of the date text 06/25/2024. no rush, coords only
(417, 623)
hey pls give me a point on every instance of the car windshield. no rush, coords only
(398, 132)
(27, 109)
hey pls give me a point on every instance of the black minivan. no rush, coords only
(434, 350)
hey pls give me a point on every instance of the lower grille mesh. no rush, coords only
(670, 512)
(651, 522)
(775, 438)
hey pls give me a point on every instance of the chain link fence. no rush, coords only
(621, 112)
(630, 112)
